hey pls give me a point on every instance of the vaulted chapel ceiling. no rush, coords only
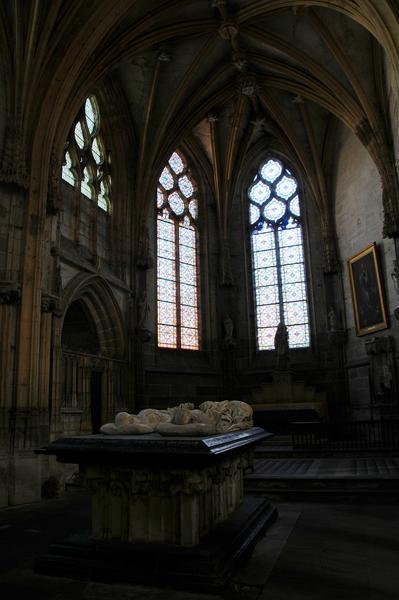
(226, 79)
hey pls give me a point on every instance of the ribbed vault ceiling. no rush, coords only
(228, 78)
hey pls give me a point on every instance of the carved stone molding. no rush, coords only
(9, 292)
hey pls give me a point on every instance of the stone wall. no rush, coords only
(359, 222)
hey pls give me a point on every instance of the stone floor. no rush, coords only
(313, 551)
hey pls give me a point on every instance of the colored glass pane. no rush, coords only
(176, 203)
(176, 163)
(84, 185)
(90, 114)
(67, 173)
(102, 197)
(97, 152)
(193, 208)
(266, 338)
(167, 336)
(277, 256)
(286, 187)
(177, 268)
(160, 198)
(259, 192)
(185, 186)
(271, 170)
(79, 135)
(274, 210)
(166, 179)
(294, 206)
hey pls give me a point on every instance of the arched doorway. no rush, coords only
(92, 367)
(82, 371)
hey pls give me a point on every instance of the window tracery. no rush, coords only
(278, 266)
(86, 163)
(177, 257)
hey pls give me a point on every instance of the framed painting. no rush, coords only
(367, 291)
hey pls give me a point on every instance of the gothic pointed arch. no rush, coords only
(98, 301)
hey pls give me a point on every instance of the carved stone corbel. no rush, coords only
(10, 292)
(50, 304)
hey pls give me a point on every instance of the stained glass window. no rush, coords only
(278, 267)
(86, 164)
(177, 257)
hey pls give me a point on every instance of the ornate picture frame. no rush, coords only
(368, 295)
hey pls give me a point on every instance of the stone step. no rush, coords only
(317, 478)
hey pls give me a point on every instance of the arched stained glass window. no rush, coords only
(278, 266)
(177, 257)
(86, 164)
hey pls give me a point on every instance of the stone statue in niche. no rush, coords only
(228, 326)
(209, 418)
(281, 346)
(142, 310)
(144, 258)
(332, 320)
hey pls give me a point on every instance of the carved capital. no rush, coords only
(9, 292)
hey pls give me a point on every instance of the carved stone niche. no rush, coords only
(9, 292)
(383, 376)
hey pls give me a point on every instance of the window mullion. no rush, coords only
(279, 278)
(178, 306)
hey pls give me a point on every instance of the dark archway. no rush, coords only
(79, 332)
